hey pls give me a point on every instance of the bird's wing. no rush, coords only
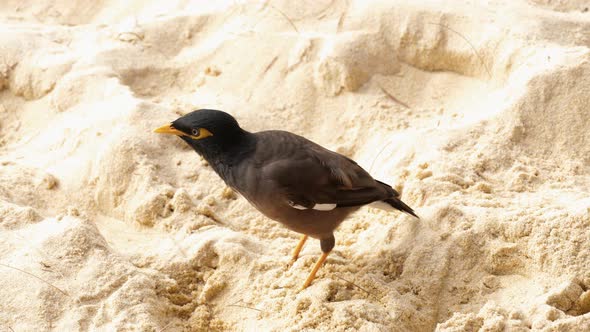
(309, 176)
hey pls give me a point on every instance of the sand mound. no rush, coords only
(475, 112)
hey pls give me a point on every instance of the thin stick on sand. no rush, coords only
(355, 285)
(243, 306)
(165, 327)
(392, 97)
(468, 42)
(34, 276)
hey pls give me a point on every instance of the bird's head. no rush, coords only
(212, 133)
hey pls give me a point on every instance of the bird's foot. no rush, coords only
(291, 262)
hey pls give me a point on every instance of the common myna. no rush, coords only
(288, 178)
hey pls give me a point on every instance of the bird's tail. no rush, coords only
(395, 203)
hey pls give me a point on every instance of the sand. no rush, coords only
(476, 111)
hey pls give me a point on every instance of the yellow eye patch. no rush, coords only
(200, 133)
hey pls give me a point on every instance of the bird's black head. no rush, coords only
(215, 135)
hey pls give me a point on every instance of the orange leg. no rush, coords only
(315, 269)
(298, 248)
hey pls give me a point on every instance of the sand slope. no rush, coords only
(476, 111)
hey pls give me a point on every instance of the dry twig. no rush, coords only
(34, 276)
(468, 42)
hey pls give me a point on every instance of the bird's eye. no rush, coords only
(200, 133)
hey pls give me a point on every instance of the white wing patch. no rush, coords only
(319, 207)
(324, 207)
(297, 206)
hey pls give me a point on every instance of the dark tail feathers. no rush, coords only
(398, 204)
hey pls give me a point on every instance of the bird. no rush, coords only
(288, 178)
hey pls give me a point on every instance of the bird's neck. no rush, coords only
(223, 155)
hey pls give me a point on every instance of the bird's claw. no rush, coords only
(291, 262)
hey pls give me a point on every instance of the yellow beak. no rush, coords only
(168, 129)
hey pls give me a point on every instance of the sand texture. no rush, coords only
(478, 112)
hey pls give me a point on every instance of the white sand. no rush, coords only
(477, 111)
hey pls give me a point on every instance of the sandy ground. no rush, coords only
(477, 111)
